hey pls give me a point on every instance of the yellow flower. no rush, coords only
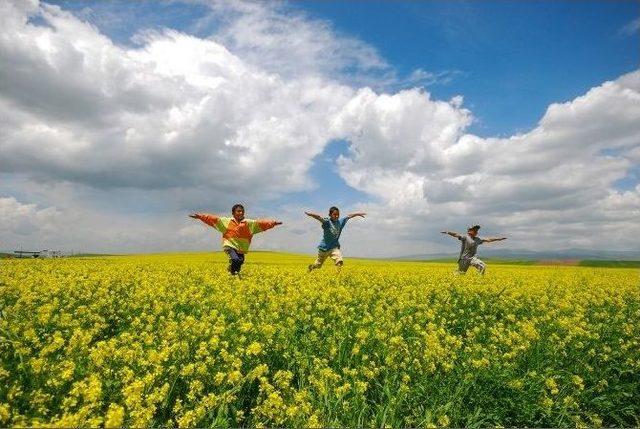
(234, 376)
(114, 417)
(578, 382)
(219, 377)
(314, 422)
(174, 327)
(4, 413)
(552, 386)
(443, 421)
(342, 390)
(595, 420)
(515, 384)
(254, 348)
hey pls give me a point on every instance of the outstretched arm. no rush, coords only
(261, 225)
(352, 215)
(453, 234)
(314, 215)
(491, 240)
(209, 219)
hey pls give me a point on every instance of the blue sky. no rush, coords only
(159, 108)
(515, 57)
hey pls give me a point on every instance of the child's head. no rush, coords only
(334, 213)
(238, 212)
(473, 230)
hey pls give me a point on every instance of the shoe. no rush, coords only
(310, 268)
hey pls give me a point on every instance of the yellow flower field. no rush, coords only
(172, 340)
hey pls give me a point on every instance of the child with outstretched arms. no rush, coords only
(469, 248)
(331, 229)
(236, 233)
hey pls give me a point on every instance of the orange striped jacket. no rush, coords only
(237, 235)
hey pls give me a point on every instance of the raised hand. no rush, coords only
(314, 215)
(360, 214)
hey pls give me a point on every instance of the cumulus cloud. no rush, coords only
(21, 220)
(411, 152)
(177, 111)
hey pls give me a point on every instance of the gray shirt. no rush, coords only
(469, 246)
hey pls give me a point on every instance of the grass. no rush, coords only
(609, 264)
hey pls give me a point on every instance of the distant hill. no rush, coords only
(4, 254)
(577, 254)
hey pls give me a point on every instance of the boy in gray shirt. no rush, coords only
(469, 248)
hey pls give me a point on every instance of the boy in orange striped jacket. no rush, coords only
(236, 233)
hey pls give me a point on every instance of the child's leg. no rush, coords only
(480, 266)
(235, 259)
(227, 250)
(240, 261)
(322, 255)
(463, 266)
(336, 255)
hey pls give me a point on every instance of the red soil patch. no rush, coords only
(559, 262)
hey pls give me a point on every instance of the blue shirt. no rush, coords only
(331, 233)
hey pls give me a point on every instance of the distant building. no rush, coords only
(40, 254)
(51, 254)
(26, 254)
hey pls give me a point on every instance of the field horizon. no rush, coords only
(613, 263)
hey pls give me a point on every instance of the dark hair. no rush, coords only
(237, 206)
(333, 208)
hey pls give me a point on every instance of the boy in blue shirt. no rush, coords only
(331, 228)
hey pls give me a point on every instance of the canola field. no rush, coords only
(172, 340)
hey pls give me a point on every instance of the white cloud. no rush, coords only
(397, 140)
(410, 152)
(284, 40)
(176, 112)
(280, 39)
(26, 220)
(630, 28)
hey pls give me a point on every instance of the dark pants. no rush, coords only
(236, 259)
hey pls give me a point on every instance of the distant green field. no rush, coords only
(582, 263)
(496, 261)
(612, 264)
